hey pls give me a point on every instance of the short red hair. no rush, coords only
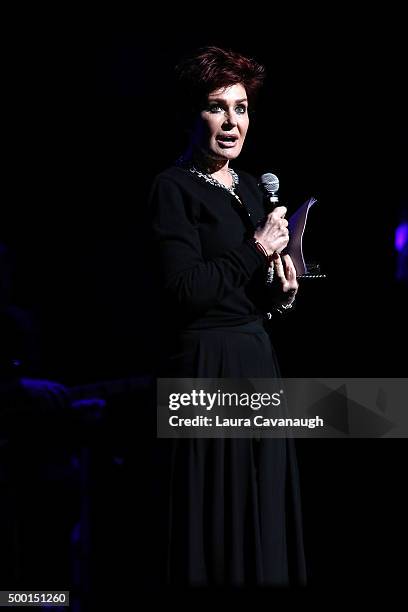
(212, 68)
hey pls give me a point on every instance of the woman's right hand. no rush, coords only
(274, 234)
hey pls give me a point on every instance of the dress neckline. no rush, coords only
(209, 179)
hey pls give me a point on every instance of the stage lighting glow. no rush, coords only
(401, 236)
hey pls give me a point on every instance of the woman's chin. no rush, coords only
(230, 153)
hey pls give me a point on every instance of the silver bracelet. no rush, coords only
(269, 274)
(287, 306)
(280, 309)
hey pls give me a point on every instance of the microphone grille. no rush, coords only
(269, 183)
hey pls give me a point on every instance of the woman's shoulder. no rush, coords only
(174, 189)
(173, 174)
(246, 177)
(248, 185)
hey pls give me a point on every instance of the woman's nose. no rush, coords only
(230, 118)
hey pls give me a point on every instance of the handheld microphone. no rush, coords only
(269, 184)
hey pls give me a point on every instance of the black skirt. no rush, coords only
(234, 516)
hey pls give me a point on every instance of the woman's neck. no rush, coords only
(207, 164)
(224, 176)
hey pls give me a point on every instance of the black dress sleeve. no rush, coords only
(191, 281)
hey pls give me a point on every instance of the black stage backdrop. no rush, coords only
(92, 118)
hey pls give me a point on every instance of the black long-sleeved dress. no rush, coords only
(234, 516)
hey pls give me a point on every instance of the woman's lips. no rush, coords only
(226, 144)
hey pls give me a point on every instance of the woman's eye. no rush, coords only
(216, 108)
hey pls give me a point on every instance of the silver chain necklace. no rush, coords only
(213, 181)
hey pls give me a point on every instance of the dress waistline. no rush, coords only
(250, 327)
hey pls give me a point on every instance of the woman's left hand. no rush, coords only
(285, 274)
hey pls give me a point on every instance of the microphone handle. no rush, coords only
(273, 203)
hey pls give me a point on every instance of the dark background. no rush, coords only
(91, 118)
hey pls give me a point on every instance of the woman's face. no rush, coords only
(223, 123)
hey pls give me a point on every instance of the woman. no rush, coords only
(234, 510)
